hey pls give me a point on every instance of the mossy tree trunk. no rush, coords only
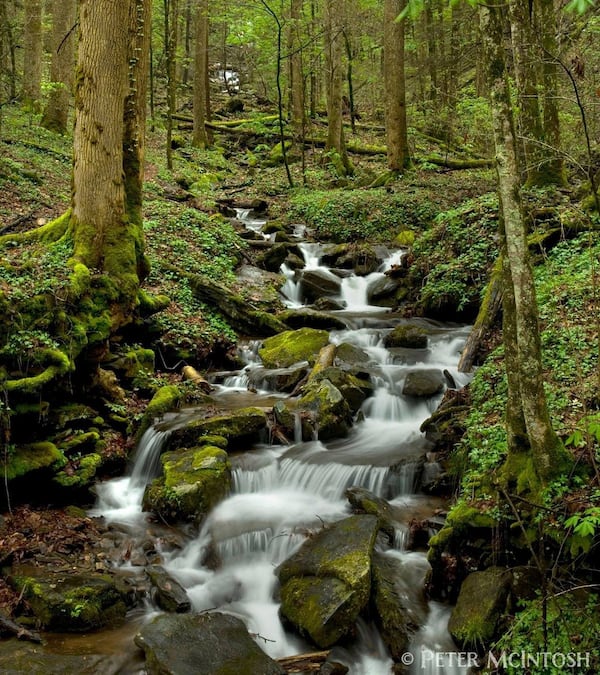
(527, 401)
(64, 36)
(395, 86)
(201, 137)
(334, 49)
(108, 151)
(297, 85)
(32, 54)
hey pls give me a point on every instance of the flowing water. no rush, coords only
(281, 493)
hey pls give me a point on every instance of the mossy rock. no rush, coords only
(22, 658)
(25, 459)
(134, 362)
(79, 474)
(407, 336)
(353, 389)
(476, 619)
(240, 427)
(351, 355)
(202, 644)
(326, 583)
(194, 480)
(293, 346)
(309, 318)
(165, 399)
(423, 383)
(329, 413)
(69, 602)
(364, 501)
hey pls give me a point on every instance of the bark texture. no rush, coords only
(526, 397)
(395, 87)
(201, 137)
(32, 53)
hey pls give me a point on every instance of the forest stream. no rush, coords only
(283, 493)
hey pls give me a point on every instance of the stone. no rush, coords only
(354, 390)
(384, 289)
(194, 480)
(293, 346)
(364, 501)
(168, 593)
(476, 620)
(302, 318)
(407, 336)
(326, 583)
(319, 282)
(329, 413)
(423, 383)
(202, 644)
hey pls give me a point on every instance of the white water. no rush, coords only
(280, 495)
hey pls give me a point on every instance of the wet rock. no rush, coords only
(392, 606)
(168, 594)
(273, 257)
(326, 584)
(284, 379)
(351, 355)
(69, 602)
(320, 282)
(294, 261)
(362, 259)
(354, 390)
(202, 644)
(476, 620)
(194, 480)
(423, 383)
(17, 658)
(309, 318)
(330, 415)
(328, 304)
(405, 335)
(240, 427)
(364, 501)
(165, 399)
(385, 288)
(289, 347)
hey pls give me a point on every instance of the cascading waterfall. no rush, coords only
(280, 495)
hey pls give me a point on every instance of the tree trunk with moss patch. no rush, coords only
(106, 240)
(524, 363)
(395, 89)
(64, 37)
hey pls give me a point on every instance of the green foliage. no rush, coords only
(567, 624)
(350, 215)
(453, 258)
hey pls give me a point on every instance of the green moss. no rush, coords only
(59, 364)
(405, 238)
(238, 426)
(518, 473)
(33, 457)
(165, 399)
(83, 475)
(289, 347)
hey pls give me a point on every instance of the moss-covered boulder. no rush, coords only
(309, 318)
(476, 620)
(289, 347)
(194, 480)
(407, 336)
(25, 459)
(423, 383)
(326, 583)
(79, 475)
(133, 363)
(364, 501)
(329, 415)
(354, 389)
(239, 427)
(69, 602)
(24, 658)
(165, 399)
(202, 644)
(396, 612)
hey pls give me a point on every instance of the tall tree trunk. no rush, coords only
(525, 377)
(8, 64)
(64, 36)
(395, 89)
(553, 168)
(32, 54)
(170, 25)
(102, 234)
(334, 49)
(201, 136)
(297, 86)
(529, 119)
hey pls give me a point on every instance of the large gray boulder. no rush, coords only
(202, 644)
(317, 283)
(423, 383)
(326, 583)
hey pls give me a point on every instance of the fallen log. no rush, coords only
(7, 625)
(324, 360)
(302, 663)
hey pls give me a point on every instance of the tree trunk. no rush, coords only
(64, 37)
(395, 89)
(524, 365)
(297, 87)
(334, 48)
(105, 242)
(201, 137)
(170, 25)
(529, 119)
(552, 171)
(32, 54)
